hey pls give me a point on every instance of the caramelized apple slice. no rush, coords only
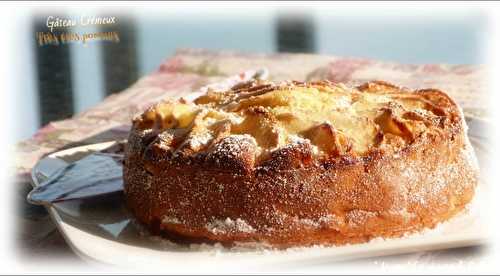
(407, 126)
(329, 140)
(390, 123)
(263, 126)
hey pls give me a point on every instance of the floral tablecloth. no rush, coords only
(190, 69)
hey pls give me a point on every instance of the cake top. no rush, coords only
(333, 120)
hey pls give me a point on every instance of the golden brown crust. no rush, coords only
(420, 170)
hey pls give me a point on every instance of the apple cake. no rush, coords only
(298, 164)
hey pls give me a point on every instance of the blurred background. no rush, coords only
(60, 81)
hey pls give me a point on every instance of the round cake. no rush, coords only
(298, 164)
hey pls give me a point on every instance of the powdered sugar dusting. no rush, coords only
(196, 142)
(229, 225)
(358, 218)
(232, 145)
(170, 220)
(467, 217)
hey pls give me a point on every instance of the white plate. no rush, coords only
(102, 230)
